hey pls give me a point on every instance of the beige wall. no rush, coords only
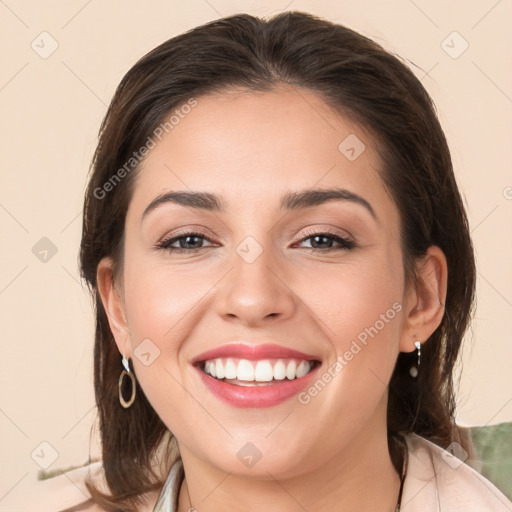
(51, 110)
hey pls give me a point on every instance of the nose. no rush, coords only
(256, 292)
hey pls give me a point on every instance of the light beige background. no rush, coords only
(51, 109)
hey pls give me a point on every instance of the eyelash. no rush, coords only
(345, 243)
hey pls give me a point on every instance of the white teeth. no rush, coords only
(219, 369)
(279, 370)
(245, 370)
(230, 369)
(301, 370)
(264, 370)
(291, 370)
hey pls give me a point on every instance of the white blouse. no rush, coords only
(435, 481)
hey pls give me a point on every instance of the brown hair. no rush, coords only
(357, 78)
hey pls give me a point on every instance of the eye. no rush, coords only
(187, 242)
(320, 241)
(323, 242)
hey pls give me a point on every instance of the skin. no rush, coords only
(251, 148)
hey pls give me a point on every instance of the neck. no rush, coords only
(360, 476)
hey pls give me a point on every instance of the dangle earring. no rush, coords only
(127, 372)
(414, 370)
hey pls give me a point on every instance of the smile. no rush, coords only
(244, 372)
(255, 375)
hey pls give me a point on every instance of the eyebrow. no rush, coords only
(290, 201)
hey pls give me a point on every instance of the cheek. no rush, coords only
(358, 308)
(164, 307)
(355, 300)
(155, 301)
(159, 300)
(158, 305)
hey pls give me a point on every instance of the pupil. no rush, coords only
(191, 237)
(320, 237)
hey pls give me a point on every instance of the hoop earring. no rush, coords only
(414, 370)
(127, 372)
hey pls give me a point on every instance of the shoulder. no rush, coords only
(437, 480)
(66, 492)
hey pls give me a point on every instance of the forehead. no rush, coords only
(252, 146)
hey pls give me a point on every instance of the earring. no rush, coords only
(127, 372)
(414, 370)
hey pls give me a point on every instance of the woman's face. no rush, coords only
(273, 269)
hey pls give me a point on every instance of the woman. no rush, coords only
(283, 274)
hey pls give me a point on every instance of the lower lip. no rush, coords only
(256, 396)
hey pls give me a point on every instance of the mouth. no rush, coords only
(264, 372)
(255, 376)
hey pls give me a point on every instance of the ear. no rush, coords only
(425, 300)
(113, 303)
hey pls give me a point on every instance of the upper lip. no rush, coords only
(253, 352)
